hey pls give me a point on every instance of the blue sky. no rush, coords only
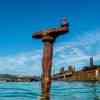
(19, 18)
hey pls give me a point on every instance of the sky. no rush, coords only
(20, 54)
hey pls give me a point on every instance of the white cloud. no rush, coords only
(75, 53)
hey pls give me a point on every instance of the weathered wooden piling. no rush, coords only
(48, 38)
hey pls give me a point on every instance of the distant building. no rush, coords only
(91, 61)
(62, 70)
(71, 68)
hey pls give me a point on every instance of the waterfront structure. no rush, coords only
(48, 37)
(64, 73)
(88, 73)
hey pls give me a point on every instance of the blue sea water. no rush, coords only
(59, 91)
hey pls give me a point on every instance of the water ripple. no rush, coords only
(59, 91)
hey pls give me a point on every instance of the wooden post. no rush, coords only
(47, 66)
(48, 37)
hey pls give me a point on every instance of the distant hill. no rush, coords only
(16, 78)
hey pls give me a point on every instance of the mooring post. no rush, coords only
(48, 37)
(47, 64)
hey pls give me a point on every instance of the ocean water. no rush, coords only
(59, 91)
